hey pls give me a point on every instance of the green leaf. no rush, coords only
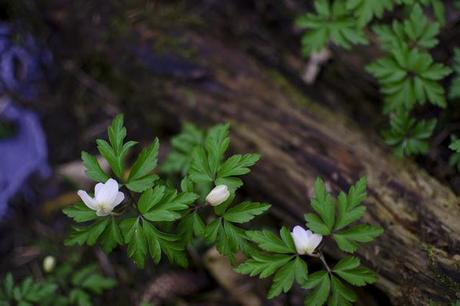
(162, 204)
(350, 208)
(153, 242)
(216, 143)
(315, 224)
(408, 136)
(283, 280)
(365, 10)
(178, 160)
(245, 211)
(191, 225)
(88, 235)
(349, 269)
(341, 294)
(115, 152)
(80, 213)
(347, 240)
(332, 22)
(98, 283)
(237, 165)
(320, 284)
(416, 31)
(231, 239)
(111, 237)
(212, 230)
(134, 236)
(269, 242)
(8, 284)
(142, 168)
(79, 297)
(172, 248)
(92, 168)
(199, 171)
(263, 265)
(323, 204)
(407, 77)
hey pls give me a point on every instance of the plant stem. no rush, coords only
(323, 260)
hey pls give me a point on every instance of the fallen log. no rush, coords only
(418, 255)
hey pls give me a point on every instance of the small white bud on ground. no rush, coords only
(49, 263)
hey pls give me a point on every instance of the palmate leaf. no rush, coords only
(349, 206)
(234, 166)
(228, 238)
(349, 269)
(408, 77)
(416, 31)
(284, 278)
(263, 265)
(216, 143)
(320, 285)
(332, 22)
(141, 177)
(324, 205)
(134, 236)
(116, 151)
(407, 136)
(268, 241)
(437, 5)
(245, 211)
(178, 160)
(80, 213)
(87, 235)
(341, 295)
(190, 226)
(92, 168)
(164, 204)
(143, 238)
(111, 237)
(207, 165)
(347, 240)
(365, 10)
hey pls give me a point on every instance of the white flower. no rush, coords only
(305, 240)
(106, 197)
(218, 195)
(49, 263)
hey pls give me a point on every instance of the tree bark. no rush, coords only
(417, 257)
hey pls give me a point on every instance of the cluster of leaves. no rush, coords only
(146, 222)
(65, 287)
(407, 75)
(332, 217)
(158, 218)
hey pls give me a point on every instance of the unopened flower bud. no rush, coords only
(49, 263)
(218, 195)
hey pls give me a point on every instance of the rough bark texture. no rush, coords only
(417, 257)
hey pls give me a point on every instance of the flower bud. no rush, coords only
(49, 263)
(218, 195)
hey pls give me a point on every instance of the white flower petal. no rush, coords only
(97, 189)
(108, 192)
(89, 201)
(315, 240)
(119, 198)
